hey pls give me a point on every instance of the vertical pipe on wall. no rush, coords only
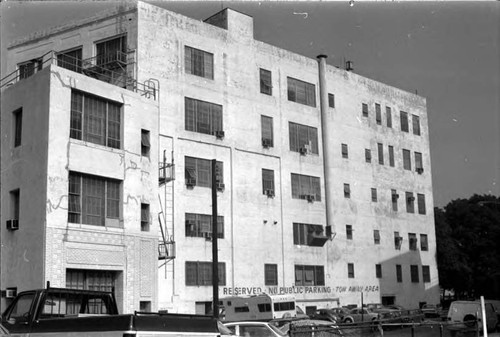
(326, 125)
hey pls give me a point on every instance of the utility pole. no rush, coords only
(215, 254)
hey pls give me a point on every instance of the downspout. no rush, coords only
(326, 129)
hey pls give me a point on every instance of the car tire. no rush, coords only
(348, 320)
(470, 321)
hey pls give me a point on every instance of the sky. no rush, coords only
(448, 52)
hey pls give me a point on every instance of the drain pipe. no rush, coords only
(326, 135)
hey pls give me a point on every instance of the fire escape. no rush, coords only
(166, 246)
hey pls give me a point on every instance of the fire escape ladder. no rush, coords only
(166, 245)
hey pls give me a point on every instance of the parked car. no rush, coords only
(3, 331)
(467, 315)
(374, 306)
(431, 311)
(312, 328)
(360, 315)
(255, 329)
(326, 315)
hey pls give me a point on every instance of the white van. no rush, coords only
(261, 307)
(462, 316)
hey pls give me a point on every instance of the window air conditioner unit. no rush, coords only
(398, 241)
(10, 292)
(303, 151)
(266, 143)
(310, 197)
(410, 199)
(269, 193)
(219, 134)
(13, 224)
(191, 182)
(420, 170)
(395, 196)
(190, 224)
(220, 187)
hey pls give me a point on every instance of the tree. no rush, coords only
(468, 249)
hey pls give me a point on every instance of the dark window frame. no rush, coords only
(304, 185)
(350, 270)
(421, 203)
(407, 159)
(399, 273)
(18, 126)
(403, 116)
(388, 114)
(410, 202)
(303, 137)
(424, 242)
(266, 82)
(378, 270)
(380, 150)
(198, 62)
(374, 194)
(270, 274)
(200, 225)
(202, 116)
(268, 182)
(302, 231)
(301, 92)
(378, 114)
(145, 217)
(414, 273)
(267, 133)
(364, 109)
(331, 100)
(368, 155)
(145, 143)
(198, 171)
(391, 156)
(376, 236)
(199, 273)
(345, 151)
(309, 275)
(426, 274)
(348, 232)
(416, 125)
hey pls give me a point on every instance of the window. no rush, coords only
(18, 126)
(412, 239)
(399, 273)
(145, 144)
(416, 124)
(15, 204)
(199, 62)
(350, 270)
(378, 270)
(424, 245)
(301, 92)
(406, 159)
(331, 100)
(368, 155)
(376, 236)
(71, 60)
(200, 226)
(198, 172)
(304, 187)
(95, 120)
(380, 153)
(266, 83)
(398, 240)
(145, 306)
(345, 151)
(111, 50)
(268, 182)
(391, 156)
(378, 114)
(404, 121)
(364, 109)
(347, 191)
(426, 274)
(414, 273)
(271, 274)
(394, 200)
(410, 202)
(100, 280)
(374, 194)
(94, 200)
(348, 232)
(388, 115)
(301, 233)
(421, 203)
(27, 69)
(200, 273)
(418, 162)
(145, 217)
(202, 117)
(267, 131)
(307, 275)
(303, 138)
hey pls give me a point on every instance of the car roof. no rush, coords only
(246, 322)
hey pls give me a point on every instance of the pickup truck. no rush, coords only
(70, 312)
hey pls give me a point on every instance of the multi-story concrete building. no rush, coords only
(109, 126)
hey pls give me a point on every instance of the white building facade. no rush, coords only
(324, 175)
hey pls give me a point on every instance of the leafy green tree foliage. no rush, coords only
(468, 246)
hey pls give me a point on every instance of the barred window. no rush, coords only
(380, 147)
(71, 60)
(200, 225)
(266, 124)
(199, 62)
(200, 273)
(378, 114)
(198, 172)
(95, 120)
(378, 270)
(267, 181)
(391, 155)
(304, 186)
(407, 159)
(266, 84)
(202, 117)
(388, 115)
(421, 203)
(426, 274)
(309, 275)
(424, 244)
(416, 125)
(112, 50)
(399, 273)
(303, 138)
(100, 280)
(301, 232)
(27, 69)
(404, 121)
(145, 217)
(350, 270)
(414, 273)
(94, 200)
(271, 274)
(301, 92)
